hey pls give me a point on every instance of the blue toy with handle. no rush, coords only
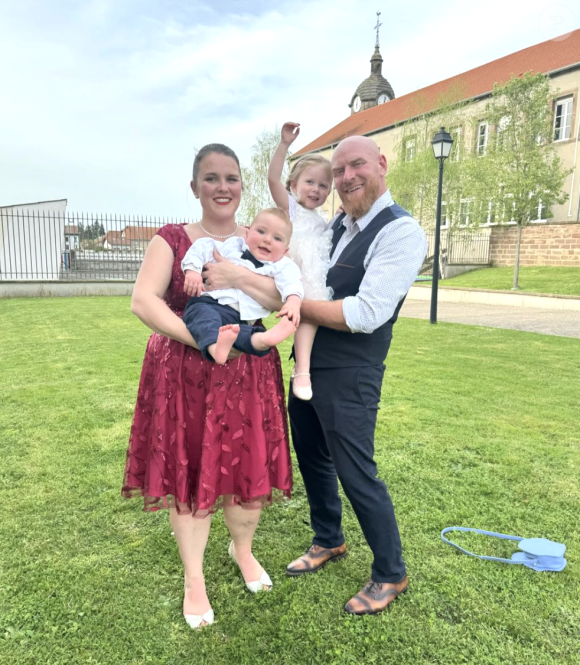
(536, 553)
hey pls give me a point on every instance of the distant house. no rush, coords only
(139, 237)
(115, 240)
(71, 237)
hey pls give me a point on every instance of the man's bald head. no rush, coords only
(359, 172)
(360, 143)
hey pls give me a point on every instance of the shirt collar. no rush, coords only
(384, 201)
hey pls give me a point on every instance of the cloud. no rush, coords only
(106, 100)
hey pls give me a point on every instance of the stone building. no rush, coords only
(382, 116)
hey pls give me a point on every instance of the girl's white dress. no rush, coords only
(310, 248)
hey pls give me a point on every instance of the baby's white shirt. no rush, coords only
(285, 272)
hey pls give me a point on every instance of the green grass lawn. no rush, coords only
(478, 427)
(541, 279)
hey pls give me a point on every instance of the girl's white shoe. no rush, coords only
(302, 392)
(259, 585)
(195, 620)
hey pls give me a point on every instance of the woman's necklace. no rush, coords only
(213, 235)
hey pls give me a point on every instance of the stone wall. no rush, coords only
(542, 245)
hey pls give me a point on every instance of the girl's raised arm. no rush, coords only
(290, 131)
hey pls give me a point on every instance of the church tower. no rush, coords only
(375, 89)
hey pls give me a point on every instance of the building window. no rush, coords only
(540, 210)
(409, 150)
(486, 214)
(540, 219)
(464, 212)
(502, 125)
(456, 135)
(490, 219)
(508, 210)
(445, 216)
(563, 119)
(482, 137)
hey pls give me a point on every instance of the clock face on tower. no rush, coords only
(356, 104)
(383, 98)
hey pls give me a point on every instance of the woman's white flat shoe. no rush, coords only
(302, 392)
(259, 585)
(195, 620)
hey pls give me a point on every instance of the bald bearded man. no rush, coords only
(377, 251)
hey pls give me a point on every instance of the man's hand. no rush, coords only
(193, 283)
(291, 309)
(222, 274)
(289, 134)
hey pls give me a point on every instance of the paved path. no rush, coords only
(548, 322)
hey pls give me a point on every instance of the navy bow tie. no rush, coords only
(250, 257)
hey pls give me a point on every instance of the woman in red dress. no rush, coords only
(204, 435)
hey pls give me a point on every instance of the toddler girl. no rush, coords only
(307, 188)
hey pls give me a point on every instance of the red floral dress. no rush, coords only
(201, 430)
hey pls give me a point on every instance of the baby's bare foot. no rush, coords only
(226, 338)
(281, 331)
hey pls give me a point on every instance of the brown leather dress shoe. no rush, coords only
(376, 597)
(314, 559)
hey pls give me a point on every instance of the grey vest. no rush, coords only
(335, 348)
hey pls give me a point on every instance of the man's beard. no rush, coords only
(359, 207)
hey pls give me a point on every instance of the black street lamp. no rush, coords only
(441, 143)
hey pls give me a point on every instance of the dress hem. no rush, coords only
(154, 503)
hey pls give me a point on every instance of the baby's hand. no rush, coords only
(292, 314)
(290, 131)
(193, 283)
(291, 309)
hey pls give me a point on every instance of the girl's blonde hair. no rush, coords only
(303, 163)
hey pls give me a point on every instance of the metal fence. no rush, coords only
(457, 247)
(43, 245)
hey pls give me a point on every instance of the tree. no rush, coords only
(256, 193)
(413, 176)
(520, 174)
(90, 231)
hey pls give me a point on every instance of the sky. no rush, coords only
(104, 102)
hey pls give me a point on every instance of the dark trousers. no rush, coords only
(333, 435)
(204, 316)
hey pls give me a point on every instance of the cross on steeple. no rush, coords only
(377, 26)
(375, 89)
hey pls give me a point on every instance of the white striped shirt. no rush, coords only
(392, 263)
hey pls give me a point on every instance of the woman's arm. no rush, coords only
(290, 131)
(224, 274)
(150, 287)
